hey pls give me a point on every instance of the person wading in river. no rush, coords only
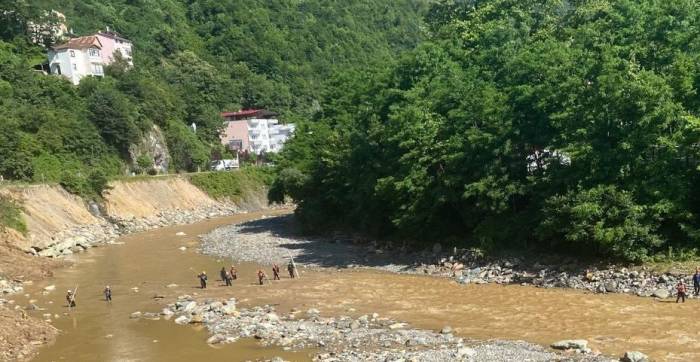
(203, 279)
(108, 294)
(696, 281)
(275, 272)
(225, 276)
(290, 269)
(261, 277)
(70, 298)
(233, 272)
(680, 291)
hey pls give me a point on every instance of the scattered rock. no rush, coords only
(182, 320)
(661, 293)
(578, 344)
(634, 356)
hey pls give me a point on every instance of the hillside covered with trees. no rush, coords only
(193, 59)
(549, 125)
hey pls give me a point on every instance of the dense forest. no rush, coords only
(553, 125)
(193, 59)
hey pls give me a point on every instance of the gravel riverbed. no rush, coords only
(344, 338)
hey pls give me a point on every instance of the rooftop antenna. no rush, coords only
(107, 28)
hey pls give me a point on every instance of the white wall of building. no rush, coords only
(267, 135)
(76, 63)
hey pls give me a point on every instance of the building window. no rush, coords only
(97, 69)
(75, 66)
(72, 53)
(58, 69)
(94, 52)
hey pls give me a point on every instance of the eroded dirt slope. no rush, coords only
(146, 198)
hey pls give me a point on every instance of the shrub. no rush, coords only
(11, 215)
(232, 184)
(600, 221)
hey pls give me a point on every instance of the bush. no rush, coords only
(232, 184)
(601, 221)
(289, 181)
(47, 168)
(187, 152)
(144, 163)
(11, 215)
(88, 186)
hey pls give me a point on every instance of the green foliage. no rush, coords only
(11, 215)
(186, 151)
(233, 184)
(192, 61)
(602, 220)
(87, 185)
(144, 162)
(533, 124)
(289, 181)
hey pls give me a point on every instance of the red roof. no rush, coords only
(80, 43)
(248, 113)
(241, 113)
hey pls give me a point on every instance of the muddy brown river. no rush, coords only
(151, 261)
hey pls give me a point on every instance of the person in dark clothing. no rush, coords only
(290, 269)
(680, 290)
(225, 276)
(275, 272)
(108, 294)
(261, 277)
(696, 281)
(203, 279)
(70, 298)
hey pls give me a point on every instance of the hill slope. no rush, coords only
(193, 59)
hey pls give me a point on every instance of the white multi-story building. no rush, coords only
(279, 134)
(77, 58)
(255, 131)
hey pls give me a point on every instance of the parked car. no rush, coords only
(224, 165)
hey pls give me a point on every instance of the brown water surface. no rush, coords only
(151, 260)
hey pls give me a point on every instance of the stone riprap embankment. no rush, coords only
(344, 338)
(80, 238)
(274, 240)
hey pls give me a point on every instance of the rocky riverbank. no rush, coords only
(274, 240)
(81, 238)
(344, 338)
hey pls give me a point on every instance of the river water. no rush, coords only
(150, 261)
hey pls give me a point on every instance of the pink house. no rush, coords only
(112, 44)
(235, 135)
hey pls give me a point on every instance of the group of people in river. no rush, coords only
(228, 276)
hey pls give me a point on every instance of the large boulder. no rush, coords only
(634, 356)
(661, 293)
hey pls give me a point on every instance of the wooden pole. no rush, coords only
(296, 271)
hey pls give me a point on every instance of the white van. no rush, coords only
(224, 165)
